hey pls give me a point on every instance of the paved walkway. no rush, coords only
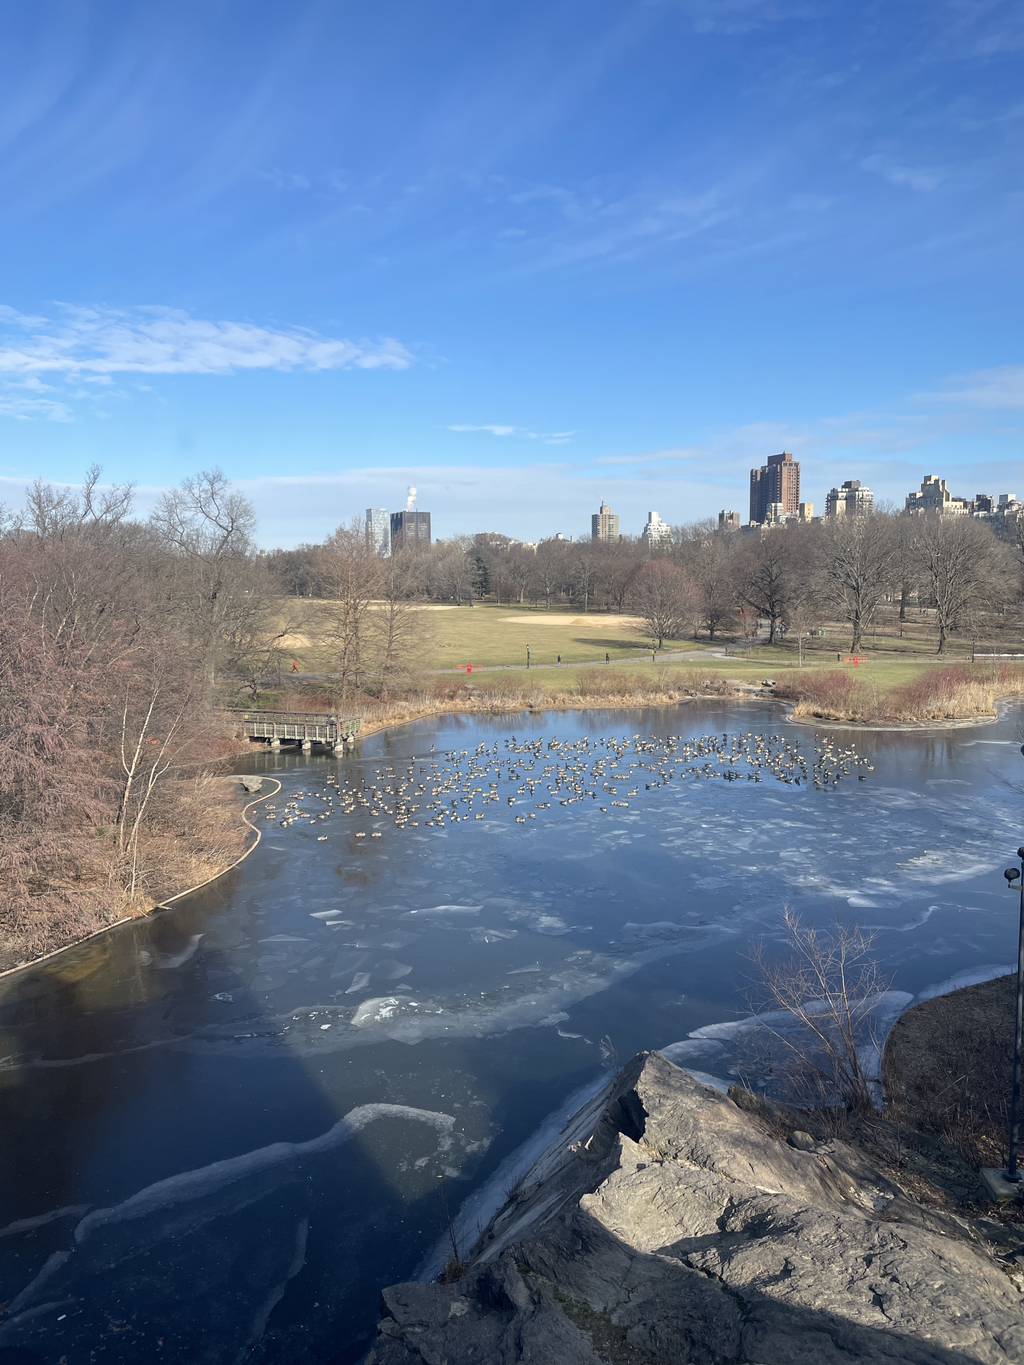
(664, 656)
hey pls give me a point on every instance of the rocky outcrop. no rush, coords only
(684, 1230)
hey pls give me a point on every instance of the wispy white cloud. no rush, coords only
(92, 345)
(743, 16)
(323, 182)
(655, 457)
(999, 387)
(922, 179)
(100, 340)
(548, 438)
(981, 28)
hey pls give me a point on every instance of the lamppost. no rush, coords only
(1012, 875)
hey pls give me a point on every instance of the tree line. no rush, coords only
(116, 634)
(705, 581)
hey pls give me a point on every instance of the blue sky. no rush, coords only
(524, 256)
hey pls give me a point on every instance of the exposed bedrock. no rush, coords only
(682, 1230)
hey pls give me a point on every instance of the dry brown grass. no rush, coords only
(947, 1068)
(596, 689)
(197, 833)
(959, 692)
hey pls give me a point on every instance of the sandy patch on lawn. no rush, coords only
(602, 622)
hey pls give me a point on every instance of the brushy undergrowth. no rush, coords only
(195, 834)
(958, 692)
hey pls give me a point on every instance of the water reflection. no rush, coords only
(224, 1127)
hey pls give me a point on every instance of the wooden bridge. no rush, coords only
(304, 728)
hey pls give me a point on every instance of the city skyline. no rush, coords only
(336, 251)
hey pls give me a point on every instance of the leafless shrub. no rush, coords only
(828, 986)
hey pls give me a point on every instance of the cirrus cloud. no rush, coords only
(76, 345)
(548, 438)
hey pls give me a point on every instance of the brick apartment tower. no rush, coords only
(776, 484)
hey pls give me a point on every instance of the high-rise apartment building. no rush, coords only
(604, 524)
(728, 521)
(934, 496)
(378, 532)
(409, 528)
(656, 531)
(853, 499)
(775, 489)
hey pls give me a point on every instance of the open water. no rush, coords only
(223, 1129)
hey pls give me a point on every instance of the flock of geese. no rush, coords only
(537, 775)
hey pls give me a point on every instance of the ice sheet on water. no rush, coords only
(480, 934)
(572, 1121)
(376, 1010)
(916, 923)
(190, 1187)
(107, 1243)
(540, 921)
(947, 865)
(434, 911)
(683, 1052)
(167, 961)
(878, 1013)
(389, 969)
(972, 977)
(705, 1078)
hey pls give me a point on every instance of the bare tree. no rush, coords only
(962, 567)
(663, 597)
(904, 566)
(584, 577)
(352, 576)
(829, 986)
(53, 513)
(551, 569)
(858, 553)
(619, 563)
(399, 625)
(767, 562)
(707, 557)
(451, 574)
(206, 529)
(153, 716)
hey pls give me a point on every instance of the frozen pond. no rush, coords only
(223, 1129)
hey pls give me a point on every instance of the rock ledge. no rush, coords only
(682, 1231)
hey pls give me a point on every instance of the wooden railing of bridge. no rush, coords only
(304, 727)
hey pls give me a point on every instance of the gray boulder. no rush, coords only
(683, 1232)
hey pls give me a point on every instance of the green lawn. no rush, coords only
(879, 671)
(494, 638)
(487, 635)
